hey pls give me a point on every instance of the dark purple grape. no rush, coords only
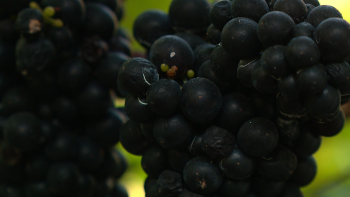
(174, 52)
(108, 68)
(23, 131)
(71, 12)
(323, 105)
(338, 73)
(288, 129)
(238, 165)
(244, 71)
(305, 172)
(321, 13)
(119, 191)
(192, 39)
(258, 137)
(151, 25)
(291, 107)
(288, 88)
(237, 187)
(309, 8)
(252, 9)
(132, 139)
(90, 156)
(302, 52)
(170, 183)
(306, 144)
(29, 23)
(280, 167)
(37, 167)
(154, 161)
(291, 190)
(136, 108)
(262, 81)
(105, 130)
(265, 105)
(267, 188)
(201, 100)
(217, 142)
(173, 131)
(63, 179)
(213, 34)
(223, 65)
(163, 97)
(332, 37)
(275, 28)
(195, 148)
(178, 158)
(202, 54)
(36, 189)
(274, 61)
(329, 128)
(33, 57)
(294, 8)
(240, 39)
(87, 185)
(137, 75)
(312, 2)
(235, 111)
(202, 176)
(114, 164)
(99, 20)
(220, 14)
(62, 39)
(62, 148)
(190, 16)
(207, 71)
(312, 80)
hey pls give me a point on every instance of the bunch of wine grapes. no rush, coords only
(59, 62)
(234, 97)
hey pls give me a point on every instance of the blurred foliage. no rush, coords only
(333, 158)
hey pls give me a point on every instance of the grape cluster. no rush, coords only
(59, 62)
(242, 115)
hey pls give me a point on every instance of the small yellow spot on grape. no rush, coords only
(190, 74)
(164, 67)
(49, 11)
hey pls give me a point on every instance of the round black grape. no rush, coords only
(154, 161)
(288, 88)
(306, 144)
(213, 34)
(275, 28)
(291, 107)
(62, 148)
(294, 8)
(262, 81)
(217, 142)
(312, 80)
(190, 15)
(202, 176)
(321, 13)
(274, 61)
(63, 179)
(240, 39)
(291, 190)
(303, 29)
(338, 73)
(151, 25)
(137, 109)
(330, 128)
(220, 14)
(258, 137)
(201, 100)
(244, 71)
(132, 138)
(288, 129)
(253, 9)
(331, 37)
(305, 172)
(312, 2)
(202, 54)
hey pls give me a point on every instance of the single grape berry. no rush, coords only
(29, 23)
(312, 2)
(217, 142)
(291, 190)
(137, 75)
(174, 52)
(23, 131)
(202, 176)
(213, 34)
(258, 137)
(220, 14)
(262, 81)
(294, 8)
(202, 54)
(151, 25)
(154, 161)
(132, 138)
(312, 80)
(275, 28)
(291, 108)
(306, 144)
(192, 39)
(238, 165)
(302, 52)
(173, 131)
(274, 61)
(328, 128)
(201, 100)
(63, 179)
(303, 29)
(331, 37)
(280, 167)
(163, 97)
(252, 9)
(321, 13)
(288, 129)
(305, 171)
(240, 39)
(338, 73)
(288, 88)
(237, 187)
(190, 15)
(137, 109)
(223, 64)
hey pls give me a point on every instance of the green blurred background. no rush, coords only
(333, 158)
